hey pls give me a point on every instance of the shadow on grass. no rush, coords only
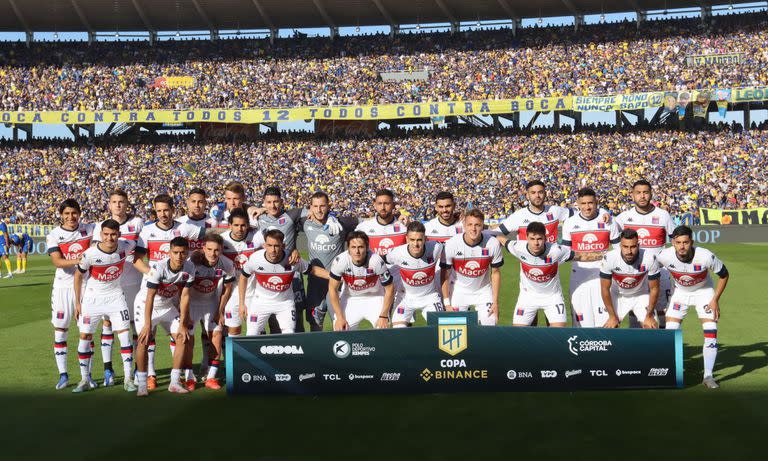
(748, 358)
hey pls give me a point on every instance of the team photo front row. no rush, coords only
(218, 270)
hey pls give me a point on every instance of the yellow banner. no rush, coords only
(711, 216)
(175, 82)
(749, 94)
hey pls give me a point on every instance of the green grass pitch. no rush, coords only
(728, 423)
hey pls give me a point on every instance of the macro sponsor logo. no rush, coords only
(281, 350)
(575, 346)
(322, 243)
(386, 242)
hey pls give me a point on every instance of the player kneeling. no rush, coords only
(415, 262)
(368, 288)
(689, 267)
(164, 300)
(272, 293)
(470, 255)
(630, 282)
(539, 276)
(207, 302)
(103, 299)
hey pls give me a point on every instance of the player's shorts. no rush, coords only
(3, 251)
(96, 309)
(637, 304)
(130, 292)
(26, 246)
(359, 308)
(299, 296)
(168, 318)
(525, 314)
(680, 301)
(232, 312)
(587, 303)
(205, 313)
(404, 312)
(665, 290)
(257, 318)
(62, 306)
(479, 302)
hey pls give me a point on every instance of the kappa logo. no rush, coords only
(386, 242)
(590, 238)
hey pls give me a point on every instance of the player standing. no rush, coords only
(629, 281)
(589, 236)
(66, 244)
(539, 278)
(5, 246)
(474, 260)
(368, 291)
(689, 266)
(103, 299)
(536, 211)
(447, 223)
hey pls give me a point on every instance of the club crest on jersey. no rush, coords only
(642, 267)
(655, 220)
(485, 252)
(697, 267)
(550, 217)
(83, 232)
(452, 334)
(459, 229)
(676, 307)
(369, 271)
(176, 233)
(601, 225)
(520, 311)
(218, 273)
(131, 228)
(184, 276)
(397, 228)
(249, 245)
(548, 260)
(281, 221)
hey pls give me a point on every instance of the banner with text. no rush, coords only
(705, 60)
(752, 216)
(618, 102)
(454, 354)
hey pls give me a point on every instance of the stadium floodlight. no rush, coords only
(730, 6)
(602, 18)
(540, 20)
(357, 29)
(56, 35)
(117, 34)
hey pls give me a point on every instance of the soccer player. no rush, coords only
(474, 259)
(154, 243)
(66, 244)
(164, 300)
(652, 225)
(103, 299)
(447, 222)
(240, 242)
(689, 266)
(539, 279)
(589, 236)
(536, 211)
(234, 198)
(207, 300)
(5, 246)
(629, 282)
(416, 262)
(130, 280)
(273, 276)
(368, 290)
(23, 243)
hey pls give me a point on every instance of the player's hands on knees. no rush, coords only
(714, 306)
(340, 324)
(144, 336)
(382, 322)
(613, 322)
(495, 310)
(650, 323)
(448, 308)
(242, 311)
(78, 309)
(182, 336)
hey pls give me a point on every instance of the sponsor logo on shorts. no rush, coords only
(627, 372)
(306, 376)
(390, 376)
(281, 350)
(570, 373)
(353, 377)
(548, 374)
(658, 372)
(453, 375)
(282, 377)
(575, 346)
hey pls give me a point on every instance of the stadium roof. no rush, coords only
(171, 15)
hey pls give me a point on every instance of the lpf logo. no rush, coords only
(452, 334)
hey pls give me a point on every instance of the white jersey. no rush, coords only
(417, 274)
(471, 263)
(692, 275)
(551, 217)
(652, 228)
(129, 231)
(366, 280)
(587, 236)
(629, 278)
(71, 244)
(105, 269)
(169, 284)
(203, 224)
(439, 232)
(238, 251)
(207, 278)
(155, 241)
(539, 278)
(272, 281)
(383, 238)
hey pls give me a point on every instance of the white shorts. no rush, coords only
(232, 313)
(97, 309)
(481, 302)
(285, 313)
(359, 308)
(587, 303)
(166, 318)
(130, 292)
(678, 305)
(62, 306)
(524, 315)
(638, 304)
(665, 290)
(203, 312)
(404, 312)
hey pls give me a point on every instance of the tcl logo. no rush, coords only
(598, 373)
(331, 377)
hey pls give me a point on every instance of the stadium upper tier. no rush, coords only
(716, 169)
(598, 59)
